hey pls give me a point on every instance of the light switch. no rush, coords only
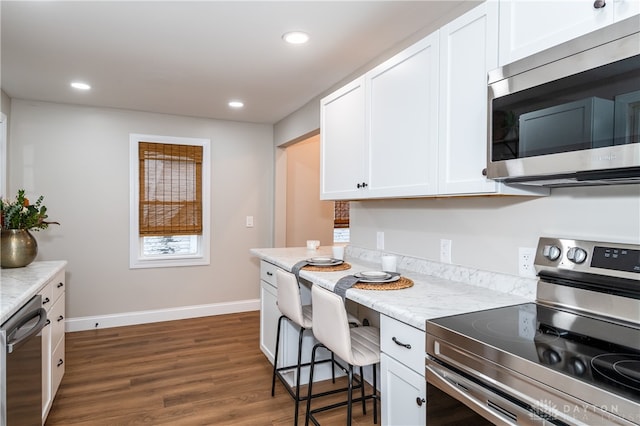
(249, 221)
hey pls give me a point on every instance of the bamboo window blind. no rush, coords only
(170, 189)
(341, 214)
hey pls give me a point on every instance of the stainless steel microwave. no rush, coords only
(569, 115)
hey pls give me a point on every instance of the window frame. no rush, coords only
(136, 257)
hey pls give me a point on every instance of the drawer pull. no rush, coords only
(399, 343)
(270, 273)
(45, 301)
(48, 322)
(60, 362)
(60, 318)
(60, 285)
(420, 401)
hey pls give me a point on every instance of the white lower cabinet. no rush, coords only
(403, 387)
(403, 394)
(269, 315)
(53, 346)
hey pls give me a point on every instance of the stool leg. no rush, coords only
(275, 361)
(364, 403)
(375, 396)
(313, 361)
(297, 399)
(349, 395)
(333, 367)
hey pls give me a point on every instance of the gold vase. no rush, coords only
(18, 248)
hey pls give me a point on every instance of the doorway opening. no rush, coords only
(308, 217)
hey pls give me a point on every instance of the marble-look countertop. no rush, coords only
(19, 285)
(439, 290)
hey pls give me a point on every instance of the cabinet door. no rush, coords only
(623, 9)
(403, 394)
(402, 99)
(529, 26)
(269, 314)
(342, 143)
(468, 50)
(47, 350)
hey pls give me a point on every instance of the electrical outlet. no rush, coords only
(526, 256)
(380, 240)
(445, 251)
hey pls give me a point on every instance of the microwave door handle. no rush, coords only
(489, 410)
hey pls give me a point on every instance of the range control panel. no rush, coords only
(600, 258)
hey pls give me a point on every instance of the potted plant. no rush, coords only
(17, 246)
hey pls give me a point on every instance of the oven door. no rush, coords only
(456, 398)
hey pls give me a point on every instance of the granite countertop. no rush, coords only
(19, 285)
(439, 290)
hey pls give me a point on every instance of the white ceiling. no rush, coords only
(191, 58)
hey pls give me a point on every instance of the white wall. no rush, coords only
(487, 231)
(308, 217)
(78, 158)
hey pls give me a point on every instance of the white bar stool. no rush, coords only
(358, 346)
(290, 305)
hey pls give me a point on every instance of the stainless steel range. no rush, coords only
(571, 358)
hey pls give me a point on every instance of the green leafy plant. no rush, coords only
(19, 214)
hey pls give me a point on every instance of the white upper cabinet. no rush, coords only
(530, 26)
(468, 50)
(379, 132)
(623, 9)
(403, 122)
(416, 125)
(343, 146)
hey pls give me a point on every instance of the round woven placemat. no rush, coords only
(342, 267)
(403, 282)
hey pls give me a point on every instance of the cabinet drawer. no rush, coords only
(56, 316)
(57, 367)
(268, 272)
(403, 342)
(47, 296)
(57, 286)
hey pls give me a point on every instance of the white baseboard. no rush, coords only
(145, 317)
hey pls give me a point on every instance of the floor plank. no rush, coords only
(202, 371)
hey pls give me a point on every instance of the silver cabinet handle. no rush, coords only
(599, 4)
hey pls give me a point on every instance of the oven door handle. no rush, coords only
(484, 402)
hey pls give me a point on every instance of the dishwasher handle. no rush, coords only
(15, 339)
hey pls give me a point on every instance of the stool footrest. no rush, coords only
(290, 389)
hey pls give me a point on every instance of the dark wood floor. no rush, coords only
(203, 371)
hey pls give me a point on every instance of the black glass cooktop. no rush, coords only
(599, 352)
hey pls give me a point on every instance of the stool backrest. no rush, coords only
(330, 323)
(289, 301)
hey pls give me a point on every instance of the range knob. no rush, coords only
(576, 255)
(551, 252)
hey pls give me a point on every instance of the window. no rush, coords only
(341, 222)
(169, 193)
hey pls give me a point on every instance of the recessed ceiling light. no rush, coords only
(296, 37)
(80, 86)
(236, 104)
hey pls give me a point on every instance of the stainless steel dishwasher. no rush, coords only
(21, 366)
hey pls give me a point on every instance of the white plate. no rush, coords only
(379, 281)
(324, 261)
(321, 260)
(374, 275)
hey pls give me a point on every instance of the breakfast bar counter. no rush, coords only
(431, 296)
